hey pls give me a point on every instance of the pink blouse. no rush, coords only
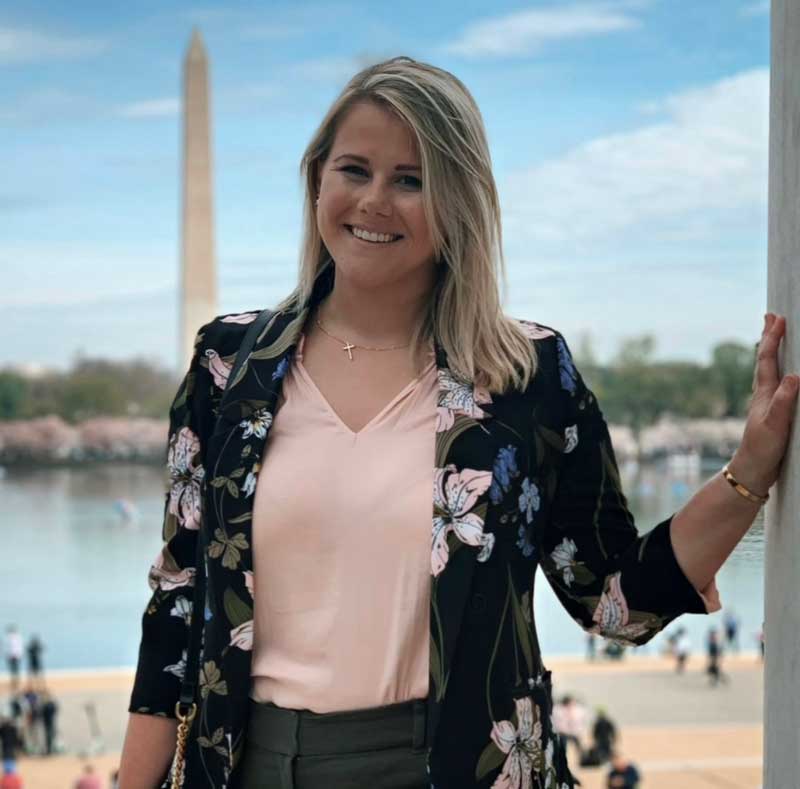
(341, 550)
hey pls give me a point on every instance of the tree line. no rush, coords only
(634, 389)
(91, 388)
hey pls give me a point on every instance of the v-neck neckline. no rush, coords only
(298, 361)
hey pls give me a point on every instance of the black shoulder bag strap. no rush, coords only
(192, 669)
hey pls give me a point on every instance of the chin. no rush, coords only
(369, 276)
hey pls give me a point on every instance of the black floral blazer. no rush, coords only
(523, 479)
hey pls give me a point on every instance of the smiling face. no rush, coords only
(372, 181)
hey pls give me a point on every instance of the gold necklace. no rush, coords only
(348, 346)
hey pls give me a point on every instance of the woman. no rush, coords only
(347, 639)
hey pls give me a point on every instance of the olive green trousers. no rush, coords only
(375, 748)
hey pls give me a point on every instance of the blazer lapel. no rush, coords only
(245, 418)
(458, 539)
(234, 460)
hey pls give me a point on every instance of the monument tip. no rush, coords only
(197, 48)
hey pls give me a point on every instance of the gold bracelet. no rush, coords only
(742, 490)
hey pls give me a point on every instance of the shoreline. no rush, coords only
(559, 665)
(667, 723)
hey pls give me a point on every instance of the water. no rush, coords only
(653, 495)
(75, 571)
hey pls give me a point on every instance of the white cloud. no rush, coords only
(21, 45)
(756, 9)
(706, 158)
(524, 32)
(153, 108)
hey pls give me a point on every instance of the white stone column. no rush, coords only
(198, 277)
(782, 572)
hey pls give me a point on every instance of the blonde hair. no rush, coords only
(462, 209)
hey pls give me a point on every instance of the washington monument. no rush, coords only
(198, 280)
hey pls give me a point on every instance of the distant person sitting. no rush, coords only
(604, 735)
(89, 779)
(613, 651)
(623, 774)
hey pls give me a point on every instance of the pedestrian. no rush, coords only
(591, 647)
(714, 653)
(683, 648)
(16, 707)
(569, 720)
(731, 627)
(96, 744)
(34, 650)
(13, 650)
(49, 712)
(376, 482)
(10, 742)
(577, 721)
(669, 643)
(623, 773)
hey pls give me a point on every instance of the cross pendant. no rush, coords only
(347, 347)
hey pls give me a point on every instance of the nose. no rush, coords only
(376, 200)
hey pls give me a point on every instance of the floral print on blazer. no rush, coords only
(522, 479)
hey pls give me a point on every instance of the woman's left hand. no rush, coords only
(757, 461)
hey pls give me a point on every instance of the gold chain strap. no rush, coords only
(180, 747)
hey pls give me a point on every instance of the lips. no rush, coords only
(374, 243)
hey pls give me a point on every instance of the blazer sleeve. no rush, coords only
(612, 580)
(166, 619)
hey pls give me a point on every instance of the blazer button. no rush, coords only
(478, 602)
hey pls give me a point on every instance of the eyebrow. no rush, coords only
(364, 160)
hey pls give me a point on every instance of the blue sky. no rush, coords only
(629, 143)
